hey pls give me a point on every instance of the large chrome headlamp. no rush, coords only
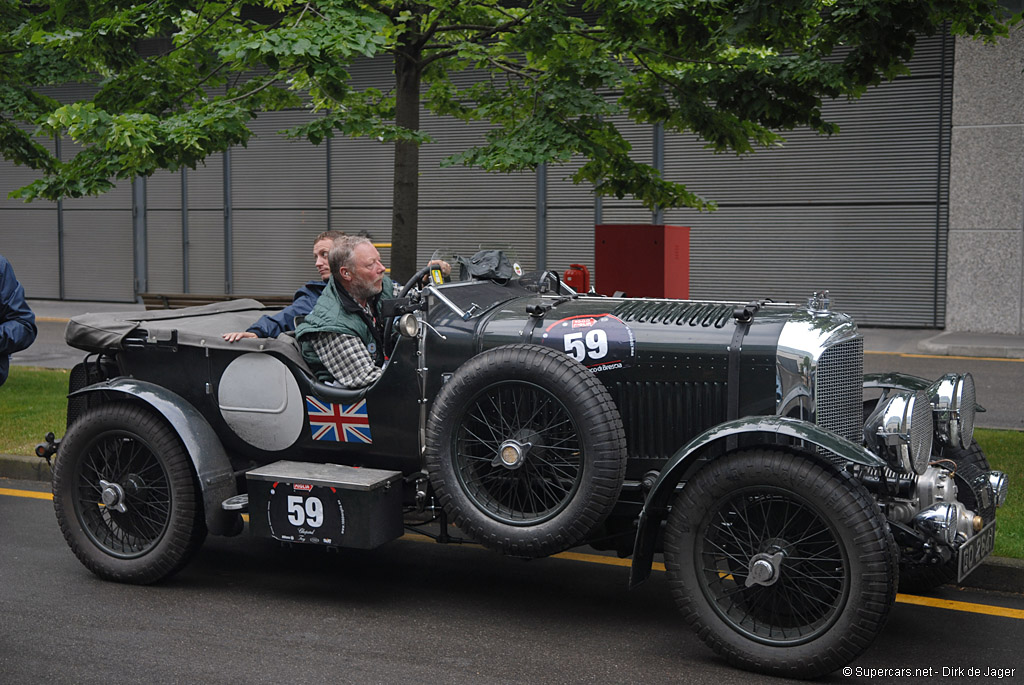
(901, 430)
(952, 398)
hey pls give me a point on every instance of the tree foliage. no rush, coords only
(177, 81)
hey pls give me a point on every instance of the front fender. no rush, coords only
(895, 381)
(211, 463)
(689, 456)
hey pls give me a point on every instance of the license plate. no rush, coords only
(975, 550)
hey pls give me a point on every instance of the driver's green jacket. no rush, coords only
(336, 312)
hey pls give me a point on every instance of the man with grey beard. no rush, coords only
(342, 339)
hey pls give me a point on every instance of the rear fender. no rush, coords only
(688, 458)
(210, 461)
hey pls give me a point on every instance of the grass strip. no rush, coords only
(1005, 451)
(33, 401)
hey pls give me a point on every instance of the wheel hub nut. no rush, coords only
(511, 454)
(113, 496)
(764, 569)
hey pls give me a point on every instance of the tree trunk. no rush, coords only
(406, 191)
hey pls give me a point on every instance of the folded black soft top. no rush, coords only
(196, 326)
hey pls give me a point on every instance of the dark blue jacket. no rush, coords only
(302, 304)
(17, 322)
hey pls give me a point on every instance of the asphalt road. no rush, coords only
(249, 611)
(49, 349)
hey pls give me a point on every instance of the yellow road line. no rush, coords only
(26, 493)
(944, 356)
(961, 606)
(903, 599)
(569, 556)
(952, 605)
(599, 559)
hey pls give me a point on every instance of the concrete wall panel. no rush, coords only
(989, 82)
(984, 290)
(987, 178)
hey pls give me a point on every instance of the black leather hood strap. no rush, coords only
(743, 316)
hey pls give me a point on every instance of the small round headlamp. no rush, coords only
(409, 325)
(938, 521)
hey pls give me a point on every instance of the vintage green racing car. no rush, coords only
(733, 438)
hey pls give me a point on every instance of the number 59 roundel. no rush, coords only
(600, 342)
(299, 512)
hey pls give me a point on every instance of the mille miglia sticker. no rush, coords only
(601, 342)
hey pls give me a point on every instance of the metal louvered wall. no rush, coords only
(863, 214)
(98, 244)
(278, 199)
(29, 233)
(463, 209)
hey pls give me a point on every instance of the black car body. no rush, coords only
(735, 438)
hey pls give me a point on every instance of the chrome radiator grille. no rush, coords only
(838, 389)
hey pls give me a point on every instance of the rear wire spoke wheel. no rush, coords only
(780, 563)
(125, 495)
(525, 450)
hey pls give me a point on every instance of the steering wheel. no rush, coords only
(552, 277)
(389, 325)
(416, 278)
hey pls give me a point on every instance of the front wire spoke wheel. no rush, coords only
(811, 585)
(780, 562)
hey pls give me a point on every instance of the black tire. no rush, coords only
(144, 467)
(563, 484)
(830, 591)
(921, 578)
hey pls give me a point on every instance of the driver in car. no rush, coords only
(342, 339)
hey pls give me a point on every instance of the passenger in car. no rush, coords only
(305, 297)
(342, 339)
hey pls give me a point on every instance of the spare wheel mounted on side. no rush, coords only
(525, 450)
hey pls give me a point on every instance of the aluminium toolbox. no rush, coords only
(325, 504)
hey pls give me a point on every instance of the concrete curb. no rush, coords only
(996, 574)
(958, 344)
(24, 468)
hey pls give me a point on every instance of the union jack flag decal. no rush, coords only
(338, 422)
